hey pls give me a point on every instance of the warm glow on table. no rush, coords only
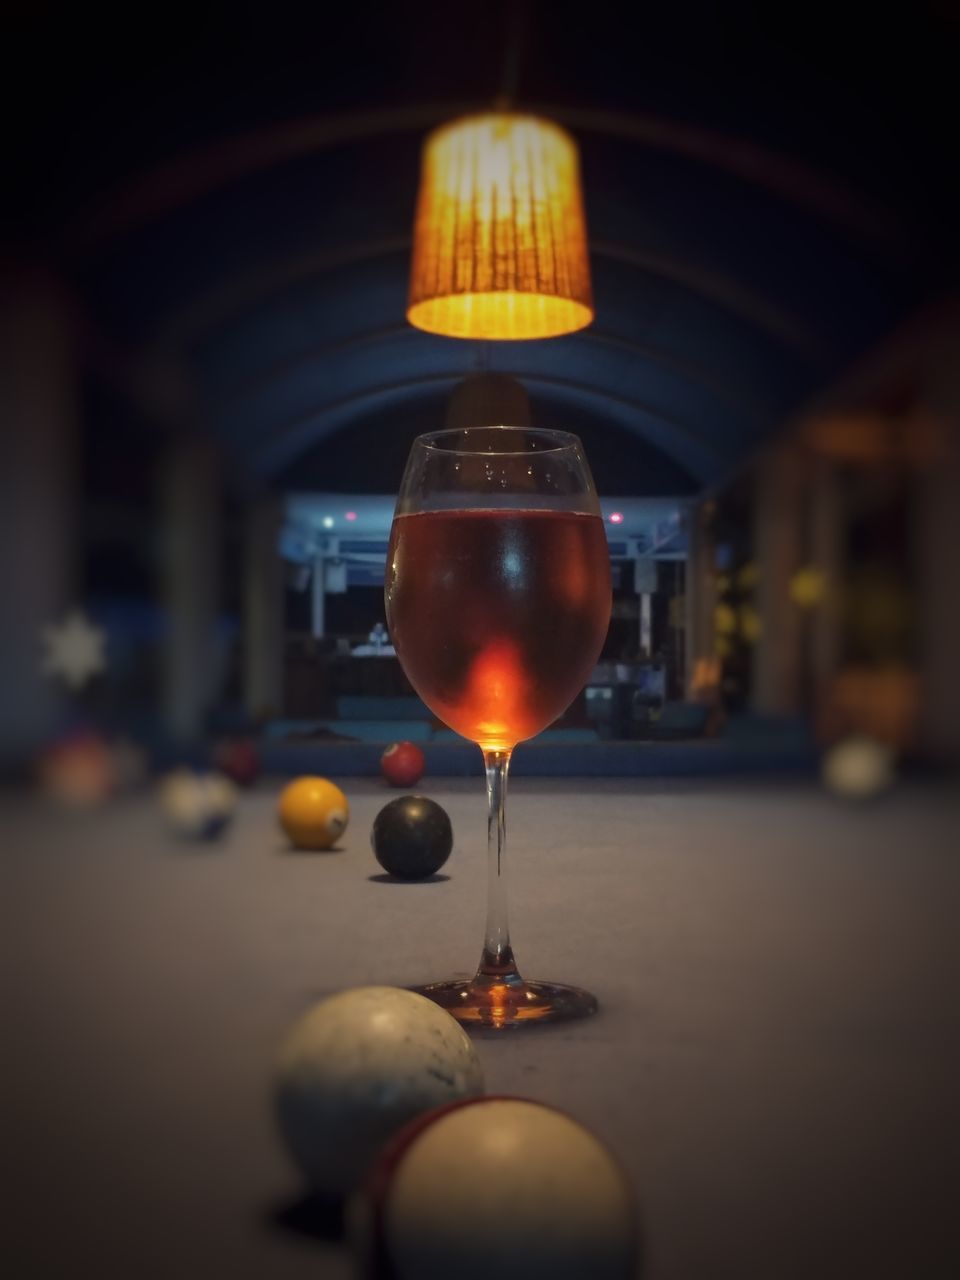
(500, 244)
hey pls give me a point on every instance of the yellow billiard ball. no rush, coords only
(313, 812)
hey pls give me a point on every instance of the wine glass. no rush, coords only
(498, 601)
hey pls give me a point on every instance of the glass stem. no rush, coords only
(497, 964)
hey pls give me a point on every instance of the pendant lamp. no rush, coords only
(500, 242)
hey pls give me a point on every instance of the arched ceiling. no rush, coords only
(236, 205)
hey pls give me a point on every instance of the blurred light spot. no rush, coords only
(616, 517)
(807, 586)
(751, 628)
(497, 695)
(350, 515)
(706, 675)
(724, 620)
(327, 522)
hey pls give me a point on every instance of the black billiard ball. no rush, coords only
(412, 837)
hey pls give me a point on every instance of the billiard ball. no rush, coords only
(197, 806)
(412, 837)
(499, 1187)
(402, 764)
(78, 770)
(858, 768)
(356, 1068)
(239, 760)
(313, 812)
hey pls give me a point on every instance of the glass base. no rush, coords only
(500, 1006)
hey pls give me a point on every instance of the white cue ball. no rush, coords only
(858, 768)
(356, 1068)
(500, 1187)
(197, 806)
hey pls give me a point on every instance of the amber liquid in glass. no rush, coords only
(498, 616)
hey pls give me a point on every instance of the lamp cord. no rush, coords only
(517, 24)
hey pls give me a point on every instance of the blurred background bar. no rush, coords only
(210, 387)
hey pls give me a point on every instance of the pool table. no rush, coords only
(776, 1060)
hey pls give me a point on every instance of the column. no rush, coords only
(190, 518)
(936, 542)
(39, 569)
(827, 531)
(701, 676)
(645, 636)
(778, 533)
(318, 597)
(263, 609)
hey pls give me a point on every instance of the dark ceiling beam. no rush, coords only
(732, 399)
(897, 371)
(239, 294)
(685, 444)
(722, 290)
(243, 292)
(791, 180)
(187, 178)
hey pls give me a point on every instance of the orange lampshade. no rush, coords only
(500, 240)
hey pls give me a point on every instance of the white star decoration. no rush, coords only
(74, 650)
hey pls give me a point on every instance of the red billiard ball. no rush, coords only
(239, 760)
(402, 764)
